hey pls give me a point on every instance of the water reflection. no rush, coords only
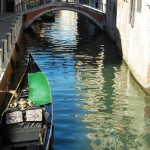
(97, 104)
(115, 108)
(63, 34)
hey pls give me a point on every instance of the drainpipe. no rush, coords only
(2, 9)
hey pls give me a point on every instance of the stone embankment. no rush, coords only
(10, 29)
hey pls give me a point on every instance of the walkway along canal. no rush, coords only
(97, 103)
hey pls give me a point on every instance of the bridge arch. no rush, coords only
(32, 16)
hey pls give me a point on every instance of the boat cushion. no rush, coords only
(23, 127)
(14, 117)
(34, 115)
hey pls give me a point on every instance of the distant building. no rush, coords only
(8, 5)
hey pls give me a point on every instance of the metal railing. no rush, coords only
(101, 7)
(29, 4)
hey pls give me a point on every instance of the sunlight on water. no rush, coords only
(97, 104)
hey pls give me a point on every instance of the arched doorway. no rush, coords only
(9, 5)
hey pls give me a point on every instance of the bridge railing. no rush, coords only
(29, 4)
(56, 3)
(101, 8)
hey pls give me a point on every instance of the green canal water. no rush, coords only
(97, 103)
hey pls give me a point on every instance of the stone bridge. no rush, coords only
(33, 10)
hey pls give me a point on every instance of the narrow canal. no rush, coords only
(97, 103)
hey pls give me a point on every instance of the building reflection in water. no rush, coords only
(58, 34)
(116, 117)
(118, 112)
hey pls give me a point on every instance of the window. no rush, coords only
(132, 12)
(139, 5)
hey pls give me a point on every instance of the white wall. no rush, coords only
(135, 41)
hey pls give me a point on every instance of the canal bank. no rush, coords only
(10, 35)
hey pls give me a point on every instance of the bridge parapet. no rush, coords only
(34, 9)
(30, 6)
(27, 5)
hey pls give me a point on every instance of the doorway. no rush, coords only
(9, 5)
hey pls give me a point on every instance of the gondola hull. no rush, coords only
(27, 123)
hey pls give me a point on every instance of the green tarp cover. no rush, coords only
(39, 89)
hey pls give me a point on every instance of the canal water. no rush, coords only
(97, 103)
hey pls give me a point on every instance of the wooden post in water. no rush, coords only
(9, 41)
(1, 58)
(4, 49)
(12, 36)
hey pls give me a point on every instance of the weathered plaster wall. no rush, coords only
(135, 39)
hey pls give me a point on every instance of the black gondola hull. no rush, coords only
(26, 127)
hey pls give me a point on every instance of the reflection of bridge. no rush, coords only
(34, 9)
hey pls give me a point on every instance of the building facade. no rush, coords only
(133, 25)
(8, 5)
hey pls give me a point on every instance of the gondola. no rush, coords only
(27, 121)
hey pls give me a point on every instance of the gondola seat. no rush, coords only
(22, 126)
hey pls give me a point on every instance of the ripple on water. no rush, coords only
(97, 104)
